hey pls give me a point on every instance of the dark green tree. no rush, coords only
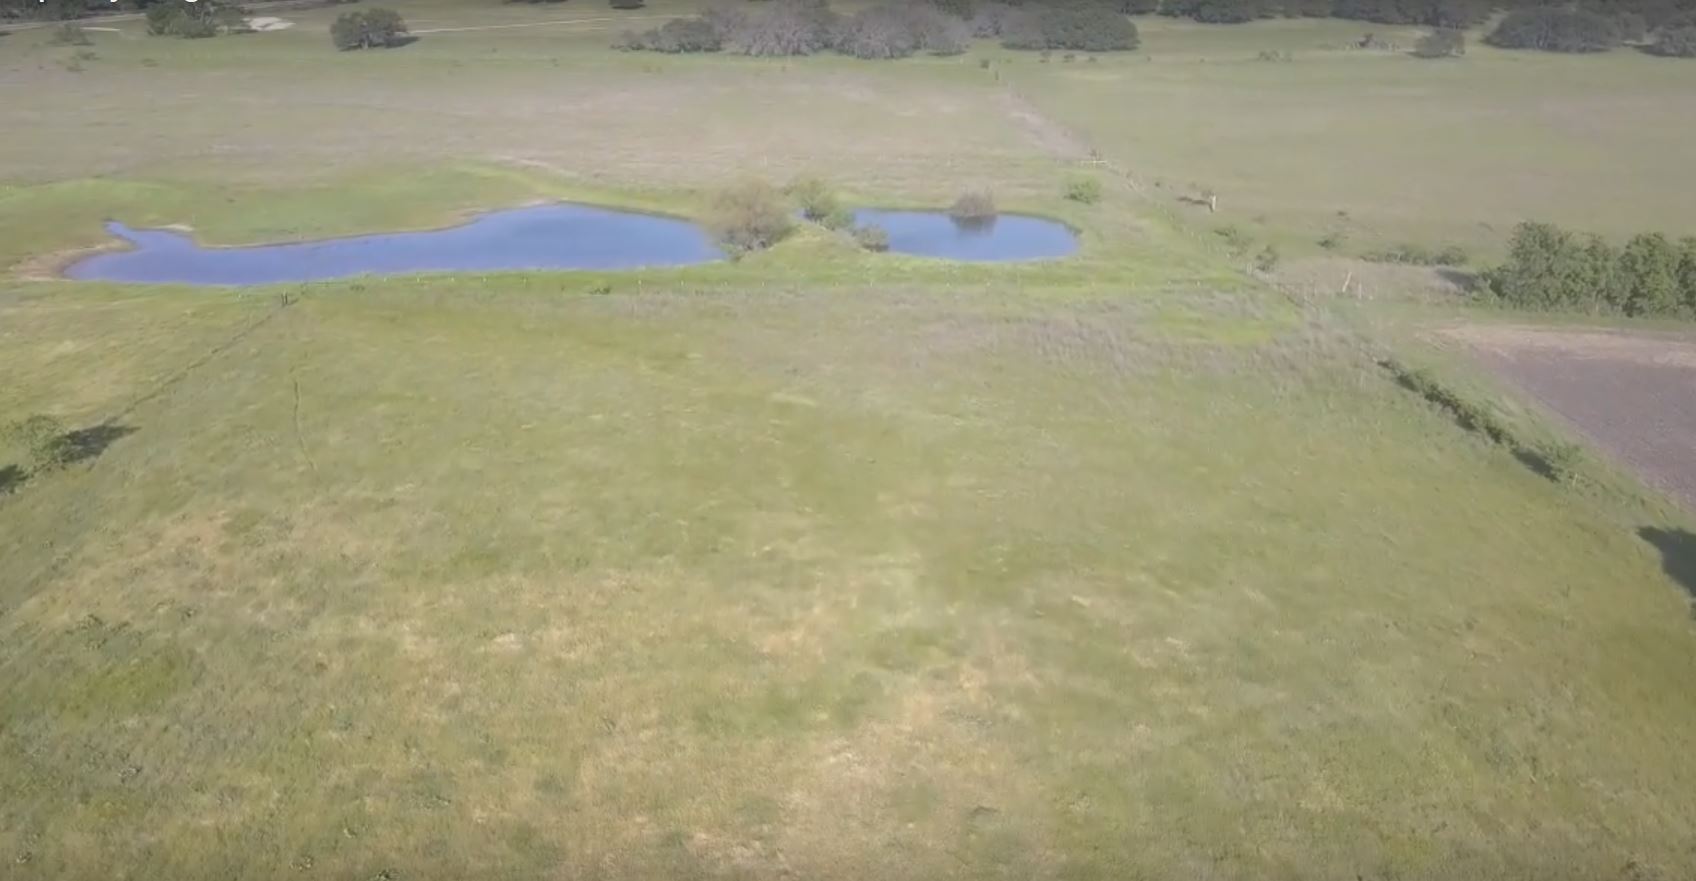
(1679, 42)
(1218, 11)
(369, 29)
(677, 35)
(749, 216)
(1599, 287)
(1649, 270)
(1554, 29)
(1545, 269)
(204, 18)
(961, 9)
(1441, 43)
(1081, 25)
(1687, 272)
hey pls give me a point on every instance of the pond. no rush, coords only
(562, 236)
(1002, 238)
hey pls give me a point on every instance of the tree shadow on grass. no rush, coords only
(88, 443)
(11, 477)
(1678, 556)
(1538, 464)
(71, 448)
(1466, 282)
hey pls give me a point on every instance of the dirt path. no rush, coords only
(1052, 137)
(1632, 394)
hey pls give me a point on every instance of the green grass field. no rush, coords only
(819, 564)
(1434, 152)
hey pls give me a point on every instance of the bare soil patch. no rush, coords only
(1632, 393)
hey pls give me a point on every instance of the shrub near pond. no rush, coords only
(749, 216)
(973, 206)
(1086, 190)
(872, 238)
(814, 196)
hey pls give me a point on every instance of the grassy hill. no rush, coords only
(820, 564)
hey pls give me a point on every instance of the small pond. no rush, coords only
(560, 236)
(1002, 238)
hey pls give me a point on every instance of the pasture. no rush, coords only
(817, 564)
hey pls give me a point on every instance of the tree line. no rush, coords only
(898, 29)
(890, 30)
(1553, 268)
(945, 27)
(1430, 13)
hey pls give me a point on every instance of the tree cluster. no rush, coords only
(61, 10)
(48, 10)
(205, 18)
(891, 30)
(1640, 16)
(749, 216)
(1085, 26)
(1676, 38)
(1557, 30)
(1441, 43)
(369, 29)
(1552, 268)
(897, 30)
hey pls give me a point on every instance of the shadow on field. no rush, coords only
(87, 443)
(1538, 463)
(1678, 555)
(70, 448)
(1466, 282)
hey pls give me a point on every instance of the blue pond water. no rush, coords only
(542, 237)
(1007, 237)
(560, 236)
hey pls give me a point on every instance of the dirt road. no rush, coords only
(1631, 393)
